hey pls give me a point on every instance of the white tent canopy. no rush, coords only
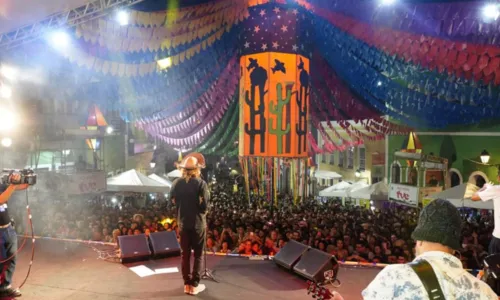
(321, 174)
(376, 191)
(161, 180)
(355, 187)
(174, 174)
(460, 196)
(336, 190)
(133, 181)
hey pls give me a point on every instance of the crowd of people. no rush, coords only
(351, 233)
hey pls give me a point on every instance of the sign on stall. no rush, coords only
(86, 183)
(404, 194)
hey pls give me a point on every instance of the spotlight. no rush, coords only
(6, 142)
(491, 11)
(122, 17)
(109, 130)
(164, 63)
(9, 72)
(66, 152)
(59, 39)
(114, 200)
(9, 120)
(387, 2)
(152, 165)
(5, 91)
(379, 83)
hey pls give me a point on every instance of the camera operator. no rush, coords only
(8, 237)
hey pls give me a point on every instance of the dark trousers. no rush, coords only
(192, 239)
(494, 247)
(8, 246)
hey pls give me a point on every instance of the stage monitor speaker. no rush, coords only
(165, 243)
(317, 266)
(290, 254)
(134, 248)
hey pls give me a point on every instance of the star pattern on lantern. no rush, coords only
(283, 30)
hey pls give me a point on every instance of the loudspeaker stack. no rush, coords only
(139, 247)
(312, 264)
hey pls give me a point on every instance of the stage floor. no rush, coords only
(63, 271)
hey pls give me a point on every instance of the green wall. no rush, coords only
(466, 148)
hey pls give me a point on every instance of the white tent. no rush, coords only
(161, 180)
(174, 174)
(376, 191)
(321, 174)
(355, 187)
(460, 196)
(133, 181)
(336, 190)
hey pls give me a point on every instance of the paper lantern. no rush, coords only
(274, 105)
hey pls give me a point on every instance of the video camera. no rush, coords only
(28, 176)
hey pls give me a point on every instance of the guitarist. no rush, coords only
(436, 273)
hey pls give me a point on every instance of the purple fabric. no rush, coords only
(460, 21)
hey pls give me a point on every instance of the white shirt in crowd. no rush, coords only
(400, 282)
(492, 192)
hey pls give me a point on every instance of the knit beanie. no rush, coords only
(439, 222)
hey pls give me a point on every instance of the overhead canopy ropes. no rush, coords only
(69, 18)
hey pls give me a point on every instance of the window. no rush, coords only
(362, 158)
(323, 158)
(341, 159)
(332, 158)
(350, 158)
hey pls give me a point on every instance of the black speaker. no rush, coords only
(133, 247)
(317, 266)
(165, 243)
(290, 254)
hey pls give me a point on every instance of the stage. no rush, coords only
(64, 270)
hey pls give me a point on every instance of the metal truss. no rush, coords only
(70, 18)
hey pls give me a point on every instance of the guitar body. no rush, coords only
(321, 293)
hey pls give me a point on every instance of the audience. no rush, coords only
(235, 226)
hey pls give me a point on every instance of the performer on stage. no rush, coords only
(8, 238)
(492, 192)
(190, 195)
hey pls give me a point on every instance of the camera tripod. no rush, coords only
(207, 273)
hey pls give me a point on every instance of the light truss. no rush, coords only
(69, 18)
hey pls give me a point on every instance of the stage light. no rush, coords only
(387, 2)
(164, 63)
(379, 83)
(59, 39)
(9, 72)
(5, 91)
(114, 200)
(9, 120)
(491, 11)
(122, 17)
(109, 130)
(6, 142)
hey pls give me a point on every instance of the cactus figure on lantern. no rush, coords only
(258, 79)
(277, 110)
(302, 100)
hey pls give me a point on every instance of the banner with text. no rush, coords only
(404, 194)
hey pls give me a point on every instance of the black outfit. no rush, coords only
(191, 219)
(8, 244)
(494, 247)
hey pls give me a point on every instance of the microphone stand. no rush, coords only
(207, 273)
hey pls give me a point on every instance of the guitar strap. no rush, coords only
(426, 273)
